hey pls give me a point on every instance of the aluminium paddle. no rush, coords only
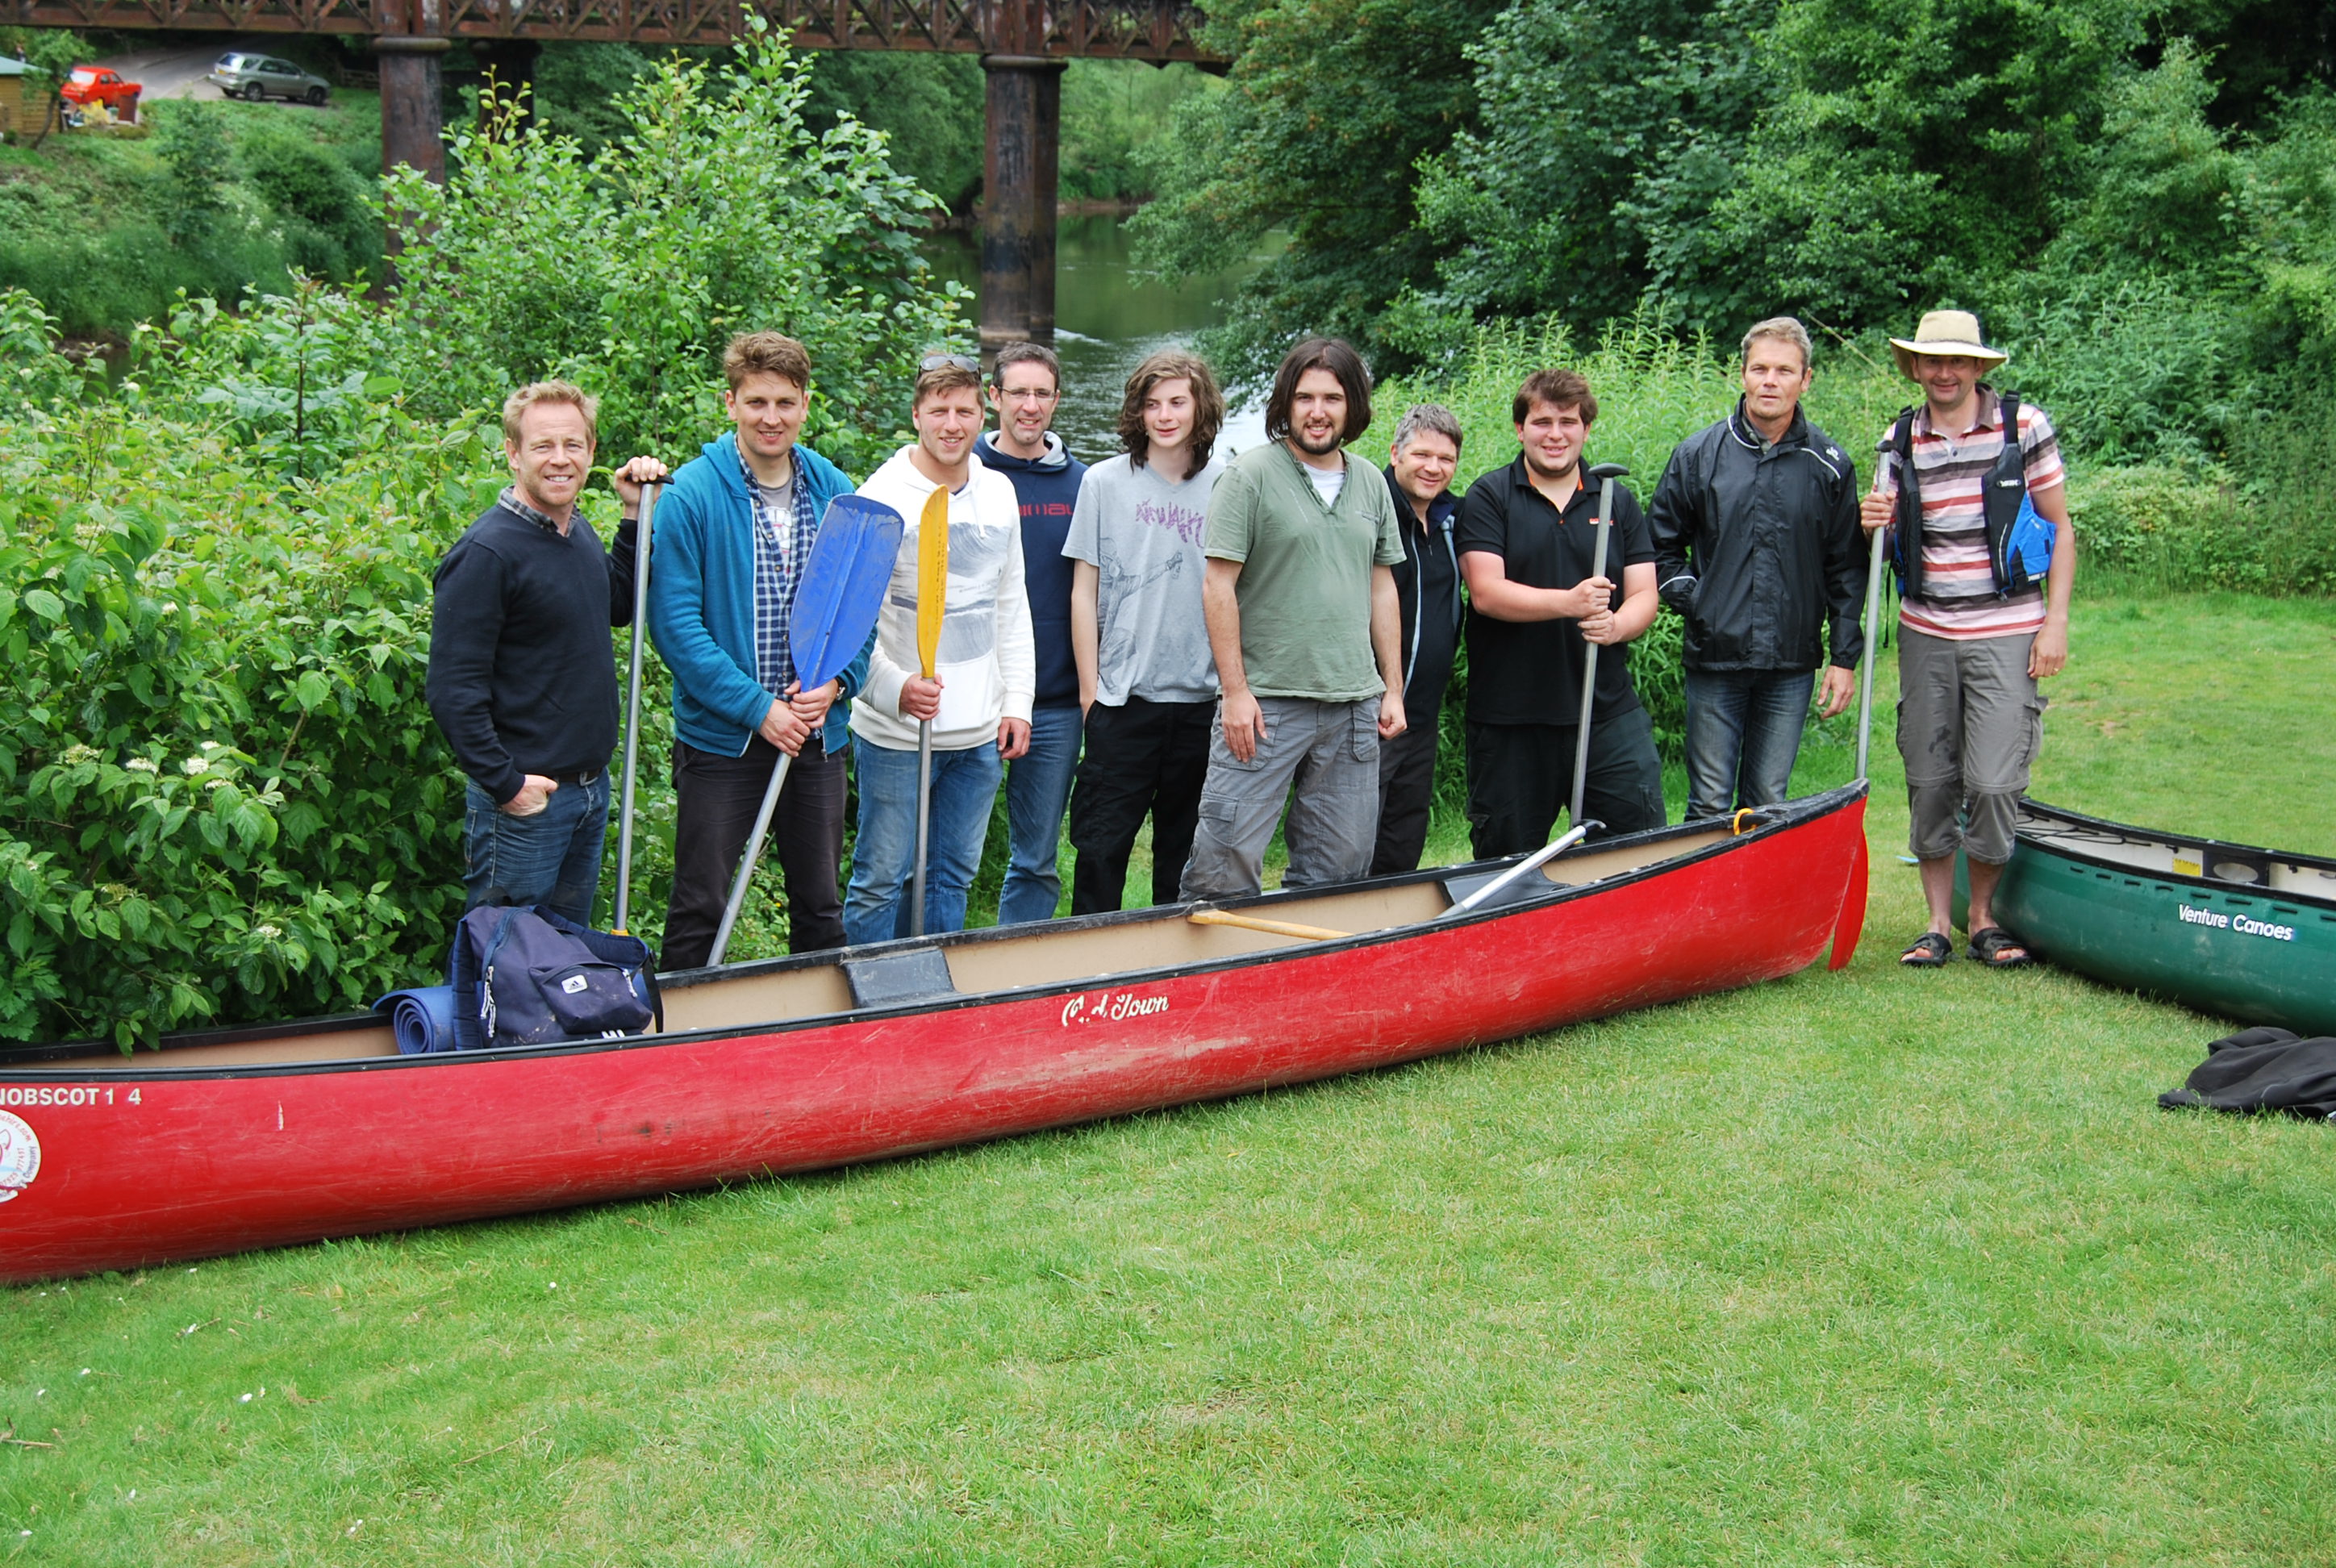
(836, 605)
(633, 709)
(932, 602)
(1850, 924)
(1606, 473)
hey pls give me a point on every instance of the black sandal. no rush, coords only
(1999, 948)
(1930, 951)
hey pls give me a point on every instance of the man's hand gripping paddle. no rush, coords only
(1606, 473)
(932, 602)
(836, 605)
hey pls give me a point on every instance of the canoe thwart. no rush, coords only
(1272, 927)
(920, 975)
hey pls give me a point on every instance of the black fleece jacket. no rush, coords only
(523, 680)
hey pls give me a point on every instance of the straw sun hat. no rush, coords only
(1944, 333)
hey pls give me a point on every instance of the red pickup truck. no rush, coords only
(87, 85)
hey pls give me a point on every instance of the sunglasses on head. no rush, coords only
(947, 362)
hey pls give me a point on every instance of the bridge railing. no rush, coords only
(1155, 30)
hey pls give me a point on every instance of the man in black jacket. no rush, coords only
(1423, 458)
(1756, 544)
(523, 680)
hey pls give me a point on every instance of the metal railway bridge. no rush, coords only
(1024, 46)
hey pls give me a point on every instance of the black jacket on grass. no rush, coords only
(523, 680)
(2263, 1069)
(1758, 545)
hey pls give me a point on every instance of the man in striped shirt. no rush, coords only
(1976, 634)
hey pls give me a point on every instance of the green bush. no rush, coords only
(721, 212)
(221, 796)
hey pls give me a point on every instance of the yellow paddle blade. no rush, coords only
(933, 578)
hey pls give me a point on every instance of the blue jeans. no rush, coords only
(552, 858)
(1038, 791)
(884, 855)
(1743, 731)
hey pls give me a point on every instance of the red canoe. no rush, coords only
(289, 1134)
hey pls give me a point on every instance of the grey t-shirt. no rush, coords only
(1143, 537)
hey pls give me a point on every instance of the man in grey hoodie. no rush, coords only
(1026, 388)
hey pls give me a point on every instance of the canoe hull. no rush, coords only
(2254, 954)
(141, 1165)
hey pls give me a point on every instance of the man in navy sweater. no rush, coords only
(731, 543)
(1025, 388)
(523, 680)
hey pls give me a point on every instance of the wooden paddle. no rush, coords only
(932, 602)
(1272, 927)
(836, 604)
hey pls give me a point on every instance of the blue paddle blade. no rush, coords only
(844, 584)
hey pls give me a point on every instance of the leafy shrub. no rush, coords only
(721, 212)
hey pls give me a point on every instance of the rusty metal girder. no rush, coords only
(1154, 30)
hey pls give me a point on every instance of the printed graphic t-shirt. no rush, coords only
(1143, 536)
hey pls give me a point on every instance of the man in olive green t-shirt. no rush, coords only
(1302, 621)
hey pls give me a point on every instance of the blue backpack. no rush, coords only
(523, 975)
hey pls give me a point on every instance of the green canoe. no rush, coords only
(2247, 933)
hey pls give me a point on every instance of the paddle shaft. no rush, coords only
(633, 713)
(924, 824)
(1873, 647)
(737, 898)
(1272, 927)
(1539, 858)
(1589, 664)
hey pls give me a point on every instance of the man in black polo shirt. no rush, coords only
(523, 680)
(1527, 537)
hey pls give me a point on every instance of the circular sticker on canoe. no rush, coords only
(20, 1155)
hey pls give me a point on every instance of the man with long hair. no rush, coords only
(1302, 619)
(1147, 682)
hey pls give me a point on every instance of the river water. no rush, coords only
(1108, 316)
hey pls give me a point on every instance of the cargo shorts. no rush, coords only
(1970, 724)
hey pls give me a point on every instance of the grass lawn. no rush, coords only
(1857, 1268)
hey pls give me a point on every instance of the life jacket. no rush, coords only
(2019, 538)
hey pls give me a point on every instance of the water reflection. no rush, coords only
(1107, 317)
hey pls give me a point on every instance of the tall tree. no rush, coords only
(1330, 104)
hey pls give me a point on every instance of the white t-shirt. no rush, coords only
(1327, 482)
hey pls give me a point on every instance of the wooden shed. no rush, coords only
(28, 99)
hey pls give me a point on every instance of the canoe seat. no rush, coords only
(917, 976)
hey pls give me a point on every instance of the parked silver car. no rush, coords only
(252, 77)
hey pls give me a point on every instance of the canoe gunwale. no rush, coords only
(47, 1062)
(2126, 833)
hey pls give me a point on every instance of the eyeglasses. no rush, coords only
(1028, 393)
(947, 361)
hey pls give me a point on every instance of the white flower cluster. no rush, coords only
(77, 754)
(141, 764)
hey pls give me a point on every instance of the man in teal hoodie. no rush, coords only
(730, 541)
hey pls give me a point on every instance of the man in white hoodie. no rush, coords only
(979, 699)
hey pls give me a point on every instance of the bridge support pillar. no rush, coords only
(411, 123)
(1025, 101)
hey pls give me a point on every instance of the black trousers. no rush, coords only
(1407, 795)
(1521, 780)
(1143, 758)
(718, 797)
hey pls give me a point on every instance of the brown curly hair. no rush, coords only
(1208, 404)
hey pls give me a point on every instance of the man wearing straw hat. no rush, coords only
(1971, 485)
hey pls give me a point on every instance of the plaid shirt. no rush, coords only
(782, 544)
